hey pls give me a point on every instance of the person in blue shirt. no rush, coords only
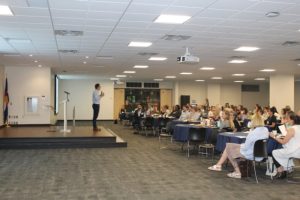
(245, 150)
(97, 95)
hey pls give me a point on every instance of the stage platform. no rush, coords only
(51, 137)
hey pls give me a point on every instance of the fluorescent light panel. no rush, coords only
(216, 78)
(114, 79)
(172, 19)
(121, 76)
(129, 72)
(267, 70)
(186, 73)
(170, 77)
(239, 81)
(141, 66)
(158, 79)
(158, 58)
(140, 44)
(237, 61)
(238, 74)
(207, 68)
(247, 48)
(5, 10)
(259, 79)
(199, 80)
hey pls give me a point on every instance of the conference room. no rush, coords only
(149, 99)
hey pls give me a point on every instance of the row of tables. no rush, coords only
(181, 132)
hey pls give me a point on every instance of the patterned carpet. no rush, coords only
(141, 171)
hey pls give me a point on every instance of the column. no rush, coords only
(214, 93)
(282, 91)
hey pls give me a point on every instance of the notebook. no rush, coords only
(282, 130)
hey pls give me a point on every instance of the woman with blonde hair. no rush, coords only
(245, 150)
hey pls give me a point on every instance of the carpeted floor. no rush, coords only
(140, 171)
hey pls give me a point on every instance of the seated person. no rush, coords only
(194, 115)
(184, 114)
(291, 145)
(245, 150)
(237, 121)
(224, 123)
(176, 113)
(122, 114)
(165, 112)
(138, 114)
(271, 120)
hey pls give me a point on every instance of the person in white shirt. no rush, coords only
(245, 150)
(184, 114)
(194, 115)
(97, 95)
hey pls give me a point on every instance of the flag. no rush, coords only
(5, 103)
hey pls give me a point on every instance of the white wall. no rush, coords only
(297, 96)
(2, 85)
(81, 97)
(29, 81)
(231, 93)
(249, 99)
(214, 93)
(282, 91)
(196, 90)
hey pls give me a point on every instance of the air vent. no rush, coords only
(151, 85)
(147, 54)
(290, 43)
(250, 88)
(133, 84)
(71, 51)
(176, 37)
(237, 57)
(105, 57)
(68, 33)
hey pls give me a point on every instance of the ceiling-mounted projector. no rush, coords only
(187, 58)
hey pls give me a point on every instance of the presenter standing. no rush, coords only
(97, 95)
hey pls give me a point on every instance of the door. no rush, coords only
(166, 98)
(119, 100)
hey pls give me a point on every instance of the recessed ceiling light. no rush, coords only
(158, 58)
(260, 79)
(129, 72)
(186, 73)
(158, 79)
(216, 78)
(239, 81)
(237, 61)
(267, 70)
(141, 66)
(170, 76)
(199, 80)
(30, 55)
(207, 68)
(272, 14)
(121, 76)
(39, 65)
(172, 19)
(114, 79)
(5, 10)
(140, 44)
(238, 74)
(246, 48)
(84, 62)
(87, 57)
(36, 61)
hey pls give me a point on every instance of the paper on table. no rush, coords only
(282, 130)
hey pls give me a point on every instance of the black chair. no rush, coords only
(195, 137)
(260, 151)
(291, 171)
(147, 126)
(210, 144)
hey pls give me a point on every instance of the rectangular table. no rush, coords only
(181, 131)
